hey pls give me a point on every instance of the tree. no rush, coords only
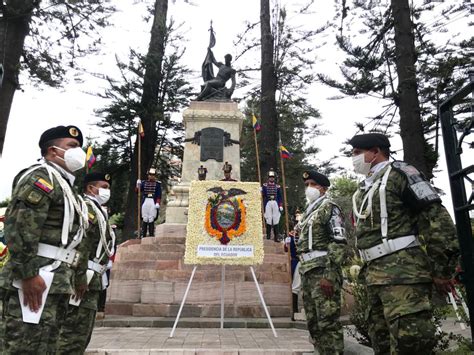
(268, 113)
(297, 119)
(120, 124)
(43, 39)
(391, 55)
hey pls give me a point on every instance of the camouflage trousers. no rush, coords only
(27, 338)
(76, 331)
(399, 319)
(322, 313)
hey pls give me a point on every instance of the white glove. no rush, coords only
(157, 206)
(287, 240)
(281, 209)
(139, 182)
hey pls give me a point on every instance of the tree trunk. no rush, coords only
(269, 118)
(411, 129)
(14, 27)
(150, 112)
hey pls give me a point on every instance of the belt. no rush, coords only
(389, 247)
(149, 195)
(70, 257)
(98, 268)
(312, 255)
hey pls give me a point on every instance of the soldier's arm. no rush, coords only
(27, 214)
(337, 246)
(439, 236)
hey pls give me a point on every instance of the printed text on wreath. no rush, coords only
(223, 251)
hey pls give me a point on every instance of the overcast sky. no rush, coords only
(37, 109)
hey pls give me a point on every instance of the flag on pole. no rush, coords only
(285, 154)
(90, 157)
(141, 131)
(255, 123)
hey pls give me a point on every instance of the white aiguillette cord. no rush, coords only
(102, 231)
(70, 204)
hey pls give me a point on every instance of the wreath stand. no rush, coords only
(222, 299)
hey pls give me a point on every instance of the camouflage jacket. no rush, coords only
(438, 254)
(328, 234)
(90, 247)
(35, 215)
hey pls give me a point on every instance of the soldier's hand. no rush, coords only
(292, 233)
(80, 291)
(444, 286)
(33, 289)
(326, 287)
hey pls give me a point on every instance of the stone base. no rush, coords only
(149, 278)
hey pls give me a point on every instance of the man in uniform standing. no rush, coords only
(227, 168)
(273, 205)
(321, 248)
(77, 329)
(151, 199)
(408, 243)
(42, 237)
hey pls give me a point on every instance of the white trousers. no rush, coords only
(272, 213)
(148, 210)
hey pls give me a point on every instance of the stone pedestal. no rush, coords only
(202, 115)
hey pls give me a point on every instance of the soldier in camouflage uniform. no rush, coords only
(321, 249)
(42, 236)
(408, 243)
(77, 329)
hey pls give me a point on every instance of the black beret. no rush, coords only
(318, 178)
(370, 140)
(61, 132)
(92, 177)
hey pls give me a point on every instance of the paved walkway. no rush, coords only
(190, 341)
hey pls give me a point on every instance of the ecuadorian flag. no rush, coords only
(255, 123)
(285, 154)
(90, 157)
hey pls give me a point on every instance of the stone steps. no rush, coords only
(149, 278)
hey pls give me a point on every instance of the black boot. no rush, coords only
(275, 233)
(151, 227)
(144, 229)
(269, 231)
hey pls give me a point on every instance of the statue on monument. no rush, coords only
(214, 86)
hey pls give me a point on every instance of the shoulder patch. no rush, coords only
(34, 197)
(43, 185)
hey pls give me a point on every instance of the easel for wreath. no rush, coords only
(224, 218)
(222, 299)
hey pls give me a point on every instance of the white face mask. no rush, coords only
(75, 158)
(103, 196)
(312, 194)
(360, 166)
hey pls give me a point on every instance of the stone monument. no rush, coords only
(149, 276)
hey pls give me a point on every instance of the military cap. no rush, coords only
(152, 171)
(61, 132)
(318, 178)
(370, 140)
(272, 173)
(227, 167)
(92, 177)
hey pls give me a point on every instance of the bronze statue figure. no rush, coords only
(214, 86)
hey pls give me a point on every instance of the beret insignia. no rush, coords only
(73, 132)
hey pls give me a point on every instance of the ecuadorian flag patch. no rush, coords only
(44, 185)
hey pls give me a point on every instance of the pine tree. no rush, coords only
(380, 48)
(41, 38)
(119, 120)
